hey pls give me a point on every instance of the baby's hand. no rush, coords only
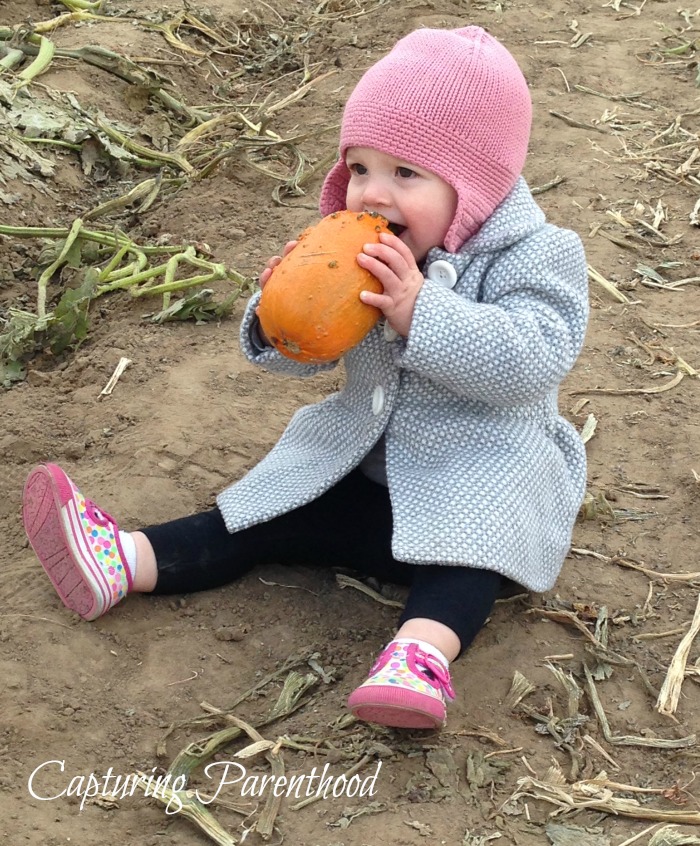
(264, 278)
(273, 262)
(392, 262)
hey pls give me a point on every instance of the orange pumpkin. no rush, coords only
(310, 308)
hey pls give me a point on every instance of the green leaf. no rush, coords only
(73, 257)
(11, 371)
(70, 323)
(197, 306)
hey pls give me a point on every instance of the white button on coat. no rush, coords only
(443, 273)
(378, 400)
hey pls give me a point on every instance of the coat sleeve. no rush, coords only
(269, 357)
(517, 343)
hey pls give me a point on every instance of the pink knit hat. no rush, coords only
(453, 102)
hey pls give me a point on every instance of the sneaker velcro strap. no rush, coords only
(439, 671)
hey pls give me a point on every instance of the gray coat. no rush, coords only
(481, 468)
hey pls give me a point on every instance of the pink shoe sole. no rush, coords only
(396, 707)
(53, 527)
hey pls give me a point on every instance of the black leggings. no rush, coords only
(348, 526)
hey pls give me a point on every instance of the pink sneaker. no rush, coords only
(76, 543)
(406, 688)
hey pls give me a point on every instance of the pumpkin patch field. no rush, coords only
(153, 157)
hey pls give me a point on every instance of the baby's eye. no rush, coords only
(358, 169)
(405, 172)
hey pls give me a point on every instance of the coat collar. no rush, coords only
(517, 217)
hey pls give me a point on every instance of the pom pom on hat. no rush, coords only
(453, 102)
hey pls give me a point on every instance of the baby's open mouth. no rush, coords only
(396, 228)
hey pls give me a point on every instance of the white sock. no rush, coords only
(129, 549)
(426, 647)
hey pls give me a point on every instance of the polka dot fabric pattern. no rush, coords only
(100, 532)
(482, 469)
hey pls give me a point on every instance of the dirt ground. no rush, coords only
(616, 128)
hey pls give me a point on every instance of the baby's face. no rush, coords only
(420, 205)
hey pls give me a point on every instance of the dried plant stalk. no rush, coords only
(625, 392)
(114, 378)
(344, 581)
(671, 688)
(519, 689)
(670, 836)
(626, 739)
(571, 688)
(624, 562)
(596, 794)
(589, 428)
(191, 808)
(599, 749)
(608, 285)
(567, 618)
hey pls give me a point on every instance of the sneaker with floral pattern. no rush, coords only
(407, 688)
(77, 543)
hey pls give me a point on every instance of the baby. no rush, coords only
(443, 463)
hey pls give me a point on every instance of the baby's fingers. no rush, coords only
(387, 255)
(273, 262)
(380, 301)
(267, 272)
(389, 276)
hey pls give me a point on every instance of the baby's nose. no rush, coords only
(376, 194)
